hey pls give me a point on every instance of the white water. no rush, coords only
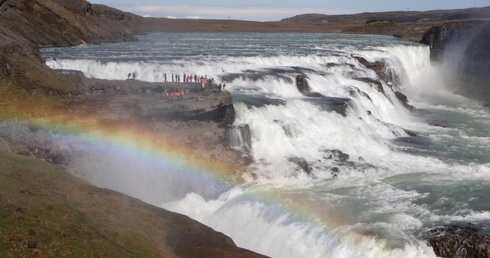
(384, 196)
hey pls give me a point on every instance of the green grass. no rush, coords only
(34, 208)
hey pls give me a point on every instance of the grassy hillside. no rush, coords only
(40, 216)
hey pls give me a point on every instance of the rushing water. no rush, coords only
(336, 175)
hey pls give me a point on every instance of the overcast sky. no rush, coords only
(274, 10)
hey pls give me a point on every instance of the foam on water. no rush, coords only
(375, 203)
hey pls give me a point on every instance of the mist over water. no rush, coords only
(335, 174)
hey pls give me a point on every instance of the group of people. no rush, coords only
(176, 94)
(185, 78)
(212, 85)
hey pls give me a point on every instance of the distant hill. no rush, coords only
(405, 24)
(410, 25)
(399, 16)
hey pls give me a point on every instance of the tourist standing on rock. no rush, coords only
(220, 86)
(203, 83)
(134, 75)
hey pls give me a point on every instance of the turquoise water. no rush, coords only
(390, 190)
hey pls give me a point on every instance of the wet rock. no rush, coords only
(404, 100)
(410, 133)
(372, 82)
(256, 100)
(338, 105)
(332, 104)
(313, 94)
(302, 84)
(459, 241)
(380, 68)
(337, 155)
(302, 163)
(335, 172)
(355, 91)
(303, 87)
(439, 123)
(414, 141)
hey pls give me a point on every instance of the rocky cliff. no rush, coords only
(462, 47)
(26, 25)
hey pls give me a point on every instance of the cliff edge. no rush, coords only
(46, 211)
(462, 46)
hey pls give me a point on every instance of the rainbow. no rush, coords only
(149, 146)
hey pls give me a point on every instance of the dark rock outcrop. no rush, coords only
(337, 156)
(338, 105)
(379, 67)
(373, 83)
(443, 36)
(302, 164)
(302, 84)
(404, 100)
(463, 48)
(459, 241)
